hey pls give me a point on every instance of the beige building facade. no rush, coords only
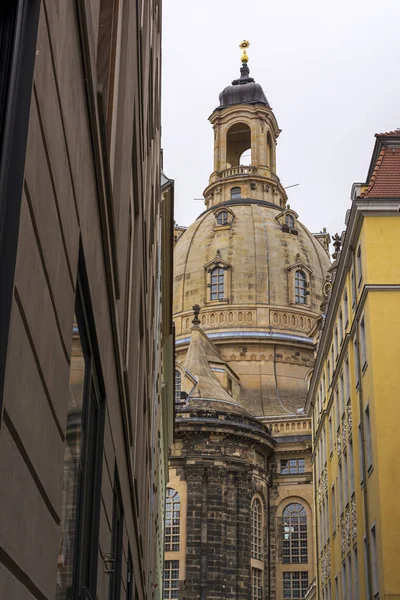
(248, 287)
(86, 336)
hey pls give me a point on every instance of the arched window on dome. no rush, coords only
(222, 217)
(256, 529)
(236, 192)
(294, 534)
(289, 220)
(217, 289)
(300, 287)
(178, 385)
(172, 521)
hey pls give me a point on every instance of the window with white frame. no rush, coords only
(236, 193)
(172, 520)
(171, 579)
(217, 289)
(295, 584)
(222, 217)
(256, 529)
(292, 466)
(294, 534)
(300, 287)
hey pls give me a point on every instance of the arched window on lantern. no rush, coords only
(172, 521)
(294, 534)
(236, 192)
(300, 286)
(178, 385)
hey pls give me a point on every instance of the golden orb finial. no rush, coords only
(244, 45)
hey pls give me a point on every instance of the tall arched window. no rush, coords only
(256, 529)
(172, 520)
(236, 192)
(178, 385)
(217, 284)
(294, 534)
(300, 285)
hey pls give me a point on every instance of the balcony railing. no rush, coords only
(238, 171)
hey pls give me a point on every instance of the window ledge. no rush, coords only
(221, 227)
(217, 302)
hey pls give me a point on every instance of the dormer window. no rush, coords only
(218, 280)
(300, 287)
(236, 192)
(222, 217)
(299, 277)
(289, 220)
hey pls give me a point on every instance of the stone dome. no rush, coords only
(260, 257)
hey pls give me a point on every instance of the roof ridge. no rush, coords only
(375, 172)
(392, 133)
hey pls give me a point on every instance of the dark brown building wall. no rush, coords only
(91, 207)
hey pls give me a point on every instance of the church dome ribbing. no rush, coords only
(243, 91)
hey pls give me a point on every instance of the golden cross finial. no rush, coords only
(244, 45)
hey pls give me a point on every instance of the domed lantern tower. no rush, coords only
(247, 301)
(244, 124)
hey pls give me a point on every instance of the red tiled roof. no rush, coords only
(394, 133)
(385, 179)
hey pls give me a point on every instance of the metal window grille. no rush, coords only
(222, 217)
(178, 385)
(171, 579)
(300, 285)
(256, 584)
(256, 533)
(217, 284)
(295, 585)
(294, 535)
(293, 466)
(172, 521)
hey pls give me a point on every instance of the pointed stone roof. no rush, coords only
(208, 393)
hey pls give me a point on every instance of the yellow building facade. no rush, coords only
(353, 395)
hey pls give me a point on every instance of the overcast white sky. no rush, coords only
(330, 71)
